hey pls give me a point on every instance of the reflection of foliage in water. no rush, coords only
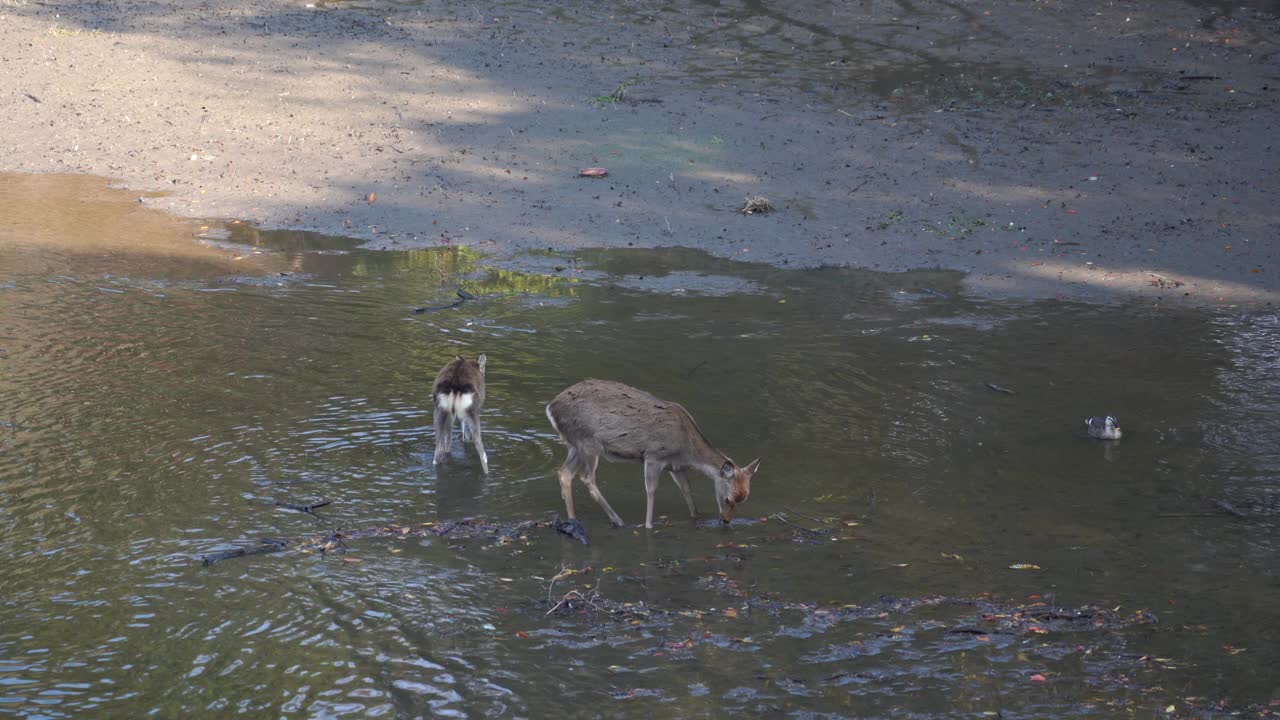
(437, 267)
(510, 282)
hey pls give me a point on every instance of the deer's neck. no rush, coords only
(705, 457)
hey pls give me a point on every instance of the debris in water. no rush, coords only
(593, 172)
(572, 528)
(1001, 389)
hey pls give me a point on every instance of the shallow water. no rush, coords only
(153, 407)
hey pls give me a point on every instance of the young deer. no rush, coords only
(601, 418)
(459, 391)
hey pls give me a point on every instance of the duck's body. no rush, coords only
(1103, 428)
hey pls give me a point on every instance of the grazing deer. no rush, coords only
(601, 418)
(459, 391)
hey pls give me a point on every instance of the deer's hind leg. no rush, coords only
(444, 434)
(572, 466)
(471, 433)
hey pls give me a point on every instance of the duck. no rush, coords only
(1103, 428)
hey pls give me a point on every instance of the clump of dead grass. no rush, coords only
(758, 204)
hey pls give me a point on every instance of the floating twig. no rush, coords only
(805, 515)
(1001, 389)
(569, 597)
(783, 518)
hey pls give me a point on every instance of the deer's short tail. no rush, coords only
(552, 418)
(453, 402)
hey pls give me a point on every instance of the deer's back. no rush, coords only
(460, 376)
(608, 418)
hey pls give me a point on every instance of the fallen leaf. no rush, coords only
(371, 197)
(522, 634)
(1024, 566)
(595, 172)
(351, 560)
(731, 612)
(1037, 678)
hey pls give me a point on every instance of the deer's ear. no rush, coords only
(727, 470)
(457, 357)
(752, 468)
(481, 360)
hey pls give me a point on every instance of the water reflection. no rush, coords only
(146, 426)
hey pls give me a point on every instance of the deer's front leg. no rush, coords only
(652, 473)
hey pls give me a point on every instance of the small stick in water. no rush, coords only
(783, 518)
(303, 508)
(1001, 389)
(463, 296)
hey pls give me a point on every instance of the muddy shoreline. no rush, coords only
(1053, 150)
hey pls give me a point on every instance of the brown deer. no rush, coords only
(601, 418)
(459, 392)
